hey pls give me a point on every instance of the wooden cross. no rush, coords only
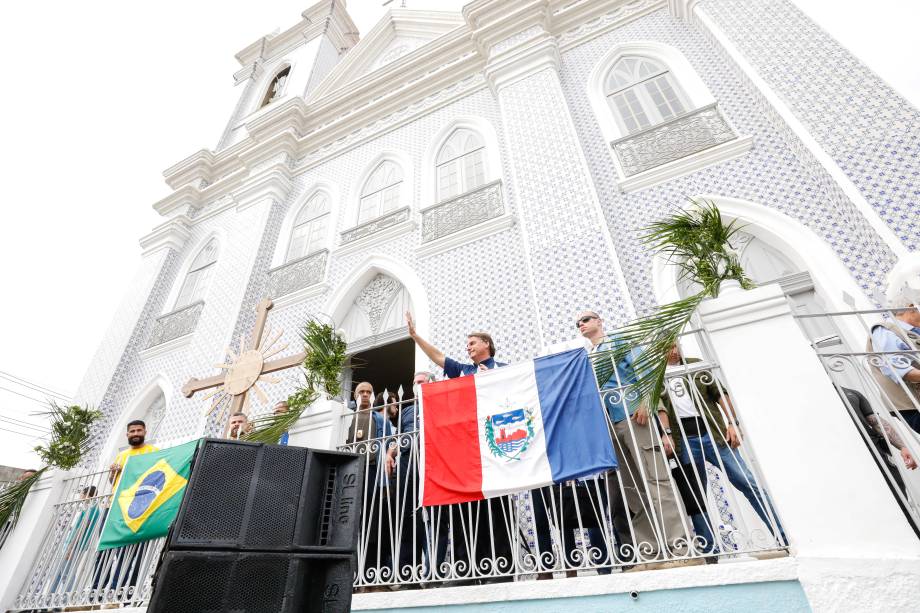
(245, 369)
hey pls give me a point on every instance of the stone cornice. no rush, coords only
(185, 200)
(324, 17)
(286, 115)
(192, 169)
(273, 183)
(204, 165)
(492, 21)
(169, 235)
(537, 53)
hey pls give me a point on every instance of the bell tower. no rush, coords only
(282, 65)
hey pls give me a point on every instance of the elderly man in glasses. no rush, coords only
(651, 515)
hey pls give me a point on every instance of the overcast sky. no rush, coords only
(102, 96)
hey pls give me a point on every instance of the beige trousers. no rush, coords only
(650, 501)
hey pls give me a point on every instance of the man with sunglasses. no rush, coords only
(650, 504)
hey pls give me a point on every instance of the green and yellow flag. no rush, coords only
(148, 496)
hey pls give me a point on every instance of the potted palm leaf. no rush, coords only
(697, 240)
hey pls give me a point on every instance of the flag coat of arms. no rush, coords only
(513, 428)
(148, 496)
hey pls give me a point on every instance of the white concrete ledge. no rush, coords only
(724, 573)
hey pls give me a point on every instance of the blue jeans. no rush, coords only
(703, 450)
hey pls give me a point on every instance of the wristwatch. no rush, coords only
(667, 431)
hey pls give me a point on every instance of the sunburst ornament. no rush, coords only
(245, 368)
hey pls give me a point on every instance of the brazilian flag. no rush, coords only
(148, 496)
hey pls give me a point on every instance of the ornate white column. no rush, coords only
(830, 496)
(851, 541)
(571, 255)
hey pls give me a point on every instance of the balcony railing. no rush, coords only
(882, 405)
(464, 211)
(676, 138)
(668, 504)
(69, 572)
(375, 225)
(297, 274)
(659, 509)
(178, 323)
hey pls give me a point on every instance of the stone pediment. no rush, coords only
(398, 33)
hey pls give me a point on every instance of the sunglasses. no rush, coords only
(584, 320)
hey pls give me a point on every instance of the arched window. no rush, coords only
(380, 194)
(460, 164)
(198, 276)
(310, 227)
(276, 87)
(642, 93)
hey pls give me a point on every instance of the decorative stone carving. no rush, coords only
(740, 239)
(178, 323)
(462, 212)
(674, 139)
(154, 417)
(297, 274)
(375, 225)
(375, 297)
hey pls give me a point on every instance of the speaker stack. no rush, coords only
(263, 528)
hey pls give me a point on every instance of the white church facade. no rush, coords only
(493, 170)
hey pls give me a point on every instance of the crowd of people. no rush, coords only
(651, 512)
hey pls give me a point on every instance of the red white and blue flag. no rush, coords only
(511, 429)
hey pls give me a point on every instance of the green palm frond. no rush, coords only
(14, 496)
(270, 428)
(323, 364)
(70, 435)
(654, 335)
(71, 429)
(326, 356)
(697, 241)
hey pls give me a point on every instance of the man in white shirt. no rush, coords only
(693, 416)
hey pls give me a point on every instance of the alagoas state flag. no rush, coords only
(511, 429)
(148, 496)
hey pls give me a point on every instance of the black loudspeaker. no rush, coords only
(247, 582)
(253, 497)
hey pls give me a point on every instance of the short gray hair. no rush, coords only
(427, 373)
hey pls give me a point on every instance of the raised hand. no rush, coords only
(410, 323)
